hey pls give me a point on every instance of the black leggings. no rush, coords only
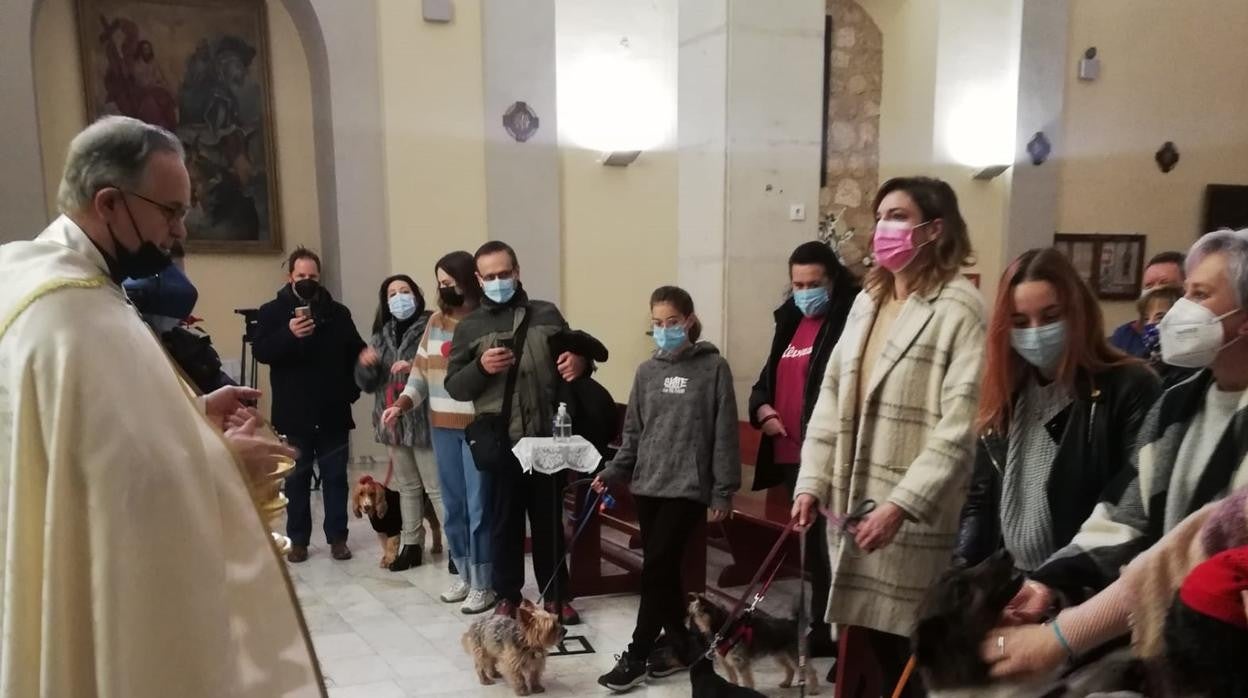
(666, 525)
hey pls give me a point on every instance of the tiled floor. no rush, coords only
(380, 634)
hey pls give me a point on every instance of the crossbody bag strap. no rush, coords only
(518, 334)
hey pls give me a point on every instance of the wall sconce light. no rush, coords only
(619, 158)
(990, 172)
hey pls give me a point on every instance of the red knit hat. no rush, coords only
(1215, 588)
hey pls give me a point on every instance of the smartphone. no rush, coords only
(303, 311)
(508, 343)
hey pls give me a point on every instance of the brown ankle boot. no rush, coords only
(340, 551)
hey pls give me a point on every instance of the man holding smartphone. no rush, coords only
(311, 345)
(482, 354)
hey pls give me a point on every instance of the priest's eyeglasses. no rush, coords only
(172, 213)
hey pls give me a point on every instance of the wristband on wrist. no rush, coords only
(1061, 639)
(768, 418)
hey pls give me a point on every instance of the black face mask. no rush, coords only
(306, 289)
(451, 297)
(148, 260)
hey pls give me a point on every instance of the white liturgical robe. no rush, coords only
(134, 561)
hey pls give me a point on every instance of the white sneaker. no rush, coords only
(458, 591)
(479, 601)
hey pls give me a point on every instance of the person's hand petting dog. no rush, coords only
(223, 403)
(879, 528)
(1022, 651)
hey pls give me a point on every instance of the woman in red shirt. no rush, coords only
(808, 325)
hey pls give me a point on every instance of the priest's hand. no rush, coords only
(220, 404)
(258, 453)
(240, 418)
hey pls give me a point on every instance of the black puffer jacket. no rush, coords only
(788, 317)
(313, 378)
(1096, 437)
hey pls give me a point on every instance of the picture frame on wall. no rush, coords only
(202, 70)
(1113, 265)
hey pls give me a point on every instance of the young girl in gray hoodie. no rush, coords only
(679, 455)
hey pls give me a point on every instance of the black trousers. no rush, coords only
(513, 494)
(893, 652)
(818, 564)
(665, 525)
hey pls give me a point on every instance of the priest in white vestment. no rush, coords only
(134, 561)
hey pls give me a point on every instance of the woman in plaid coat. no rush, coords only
(894, 419)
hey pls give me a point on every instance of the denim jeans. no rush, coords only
(329, 451)
(465, 508)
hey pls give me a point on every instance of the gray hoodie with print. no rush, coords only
(680, 430)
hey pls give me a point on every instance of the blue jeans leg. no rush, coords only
(447, 452)
(478, 519)
(331, 458)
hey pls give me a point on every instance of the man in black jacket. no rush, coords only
(311, 346)
(808, 325)
(482, 354)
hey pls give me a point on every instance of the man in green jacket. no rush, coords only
(482, 354)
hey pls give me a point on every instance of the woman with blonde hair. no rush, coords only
(894, 421)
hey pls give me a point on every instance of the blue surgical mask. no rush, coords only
(500, 290)
(402, 305)
(670, 339)
(1042, 346)
(811, 301)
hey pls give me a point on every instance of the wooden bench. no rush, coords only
(757, 518)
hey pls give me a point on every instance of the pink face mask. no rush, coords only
(893, 244)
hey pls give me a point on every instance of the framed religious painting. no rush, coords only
(1113, 265)
(199, 68)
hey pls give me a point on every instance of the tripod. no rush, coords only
(250, 323)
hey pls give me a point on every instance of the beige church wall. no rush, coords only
(225, 282)
(616, 79)
(432, 107)
(1169, 72)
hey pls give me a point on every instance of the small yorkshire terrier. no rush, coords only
(514, 648)
(767, 636)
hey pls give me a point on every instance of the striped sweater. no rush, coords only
(428, 377)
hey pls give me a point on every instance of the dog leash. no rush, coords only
(905, 677)
(803, 637)
(741, 603)
(600, 501)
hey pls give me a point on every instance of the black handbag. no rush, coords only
(489, 435)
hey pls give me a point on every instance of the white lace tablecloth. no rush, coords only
(545, 455)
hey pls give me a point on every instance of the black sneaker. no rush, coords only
(663, 662)
(627, 674)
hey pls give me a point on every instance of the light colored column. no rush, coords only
(1041, 89)
(750, 115)
(522, 178)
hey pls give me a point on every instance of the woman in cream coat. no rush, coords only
(894, 419)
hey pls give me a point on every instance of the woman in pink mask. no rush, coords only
(894, 422)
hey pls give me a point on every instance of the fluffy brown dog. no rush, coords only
(513, 648)
(381, 505)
